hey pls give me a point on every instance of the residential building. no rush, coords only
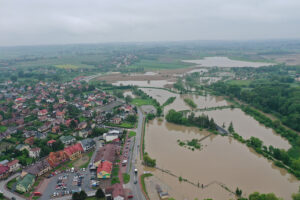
(116, 191)
(13, 165)
(21, 147)
(29, 141)
(25, 183)
(39, 168)
(50, 142)
(4, 171)
(56, 158)
(34, 152)
(42, 112)
(67, 140)
(74, 151)
(87, 144)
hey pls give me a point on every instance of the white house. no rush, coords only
(34, 152)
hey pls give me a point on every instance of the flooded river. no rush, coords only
(222, 160)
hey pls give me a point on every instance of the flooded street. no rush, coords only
(222, 160)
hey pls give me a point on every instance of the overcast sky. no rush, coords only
(31, 22)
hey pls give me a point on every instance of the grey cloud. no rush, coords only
(26, 22)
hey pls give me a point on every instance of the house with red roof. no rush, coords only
(104, 170)
(60, 115)
(50, 142)
(4, 171)
(56, 158)
(116, 191)
(29, 141)
(73, 152)
(13, 165)
(42, 112)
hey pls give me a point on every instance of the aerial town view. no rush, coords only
(149, 100)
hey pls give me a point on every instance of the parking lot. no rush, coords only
(68, 182)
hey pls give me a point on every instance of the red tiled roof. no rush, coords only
(73, 149)
(104, 166)
(29, 141)
(51, 141)
(35, 149)
(44, 111)
(3, 169)
(13, 162)
(56, 158)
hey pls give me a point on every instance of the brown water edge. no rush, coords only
(176, 189)
(222, 159)
(247, 126)
(244, 125)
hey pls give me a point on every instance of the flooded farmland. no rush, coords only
(201, 101)
(225, 62)
(222, 160)
(246, 126)
(149, 83)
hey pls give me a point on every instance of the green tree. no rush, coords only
(82, 195)
(99, 193)
(128, 99)
(230, 128)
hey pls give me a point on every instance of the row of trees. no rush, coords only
(269, 96)
(201, 121)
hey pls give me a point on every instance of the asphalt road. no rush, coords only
(5, 191)
(136, 189)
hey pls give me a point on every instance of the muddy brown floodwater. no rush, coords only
(222, 160)
(202, 101)
(246, 126)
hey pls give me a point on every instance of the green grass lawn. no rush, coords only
(122, 125)
(132, 134)
(143, 181)
(140, 102)
(244, 83)
(11, 183)
(126, 178)
(3, 129)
